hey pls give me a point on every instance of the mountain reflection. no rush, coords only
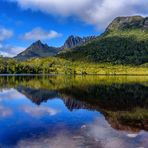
(122, 100)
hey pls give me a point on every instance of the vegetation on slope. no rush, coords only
(128, 47)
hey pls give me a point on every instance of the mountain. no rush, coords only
(123, 105)
(125, 41)
(74, 41)
(123, 23)
(37, 95)
(37, 49)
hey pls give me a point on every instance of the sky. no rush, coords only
(23, 22)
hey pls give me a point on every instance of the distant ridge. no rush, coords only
(38, 49)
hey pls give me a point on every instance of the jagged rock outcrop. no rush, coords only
(74, 41)
(38, 49)
(130, 22)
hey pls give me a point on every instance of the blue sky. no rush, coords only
(52, 21)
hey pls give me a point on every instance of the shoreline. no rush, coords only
(73, 74)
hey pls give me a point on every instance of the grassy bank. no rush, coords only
(55, 65)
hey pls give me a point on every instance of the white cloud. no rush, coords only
(97, 12)
(40, 34)
(10, 51)
(5, 33)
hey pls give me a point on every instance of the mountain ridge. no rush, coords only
(74, 41)
(38, 49)
(125, 41)
(128, 22)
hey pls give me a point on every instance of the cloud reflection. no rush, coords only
(108, 137)
(10, 94)
(96, 134)
(37, 111)
(101, 132)
(5, 112)
(62, 140)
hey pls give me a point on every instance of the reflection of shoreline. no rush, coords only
(37, 95)
(122, 101)
(59, 82)
(124, 119)
(114, 118)
(119, 121)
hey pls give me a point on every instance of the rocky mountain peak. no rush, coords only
(37, 44)
(74, 41)
(129, 22)
(37, 49)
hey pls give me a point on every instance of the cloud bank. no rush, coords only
(96, 12)
(41, 34)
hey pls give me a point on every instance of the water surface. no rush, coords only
(73, 112)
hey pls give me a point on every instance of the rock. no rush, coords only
(74, 41)
(130, 22)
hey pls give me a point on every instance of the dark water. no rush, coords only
(73, 112)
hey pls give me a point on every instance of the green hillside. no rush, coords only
(117, 47)
(125, 41)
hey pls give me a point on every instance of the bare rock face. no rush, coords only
(74, 41)
(146, 22)
(130, 22)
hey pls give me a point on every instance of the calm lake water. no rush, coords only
(73, 112)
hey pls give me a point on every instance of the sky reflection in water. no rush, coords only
(57, 117)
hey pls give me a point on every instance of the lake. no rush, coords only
(73, 112)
